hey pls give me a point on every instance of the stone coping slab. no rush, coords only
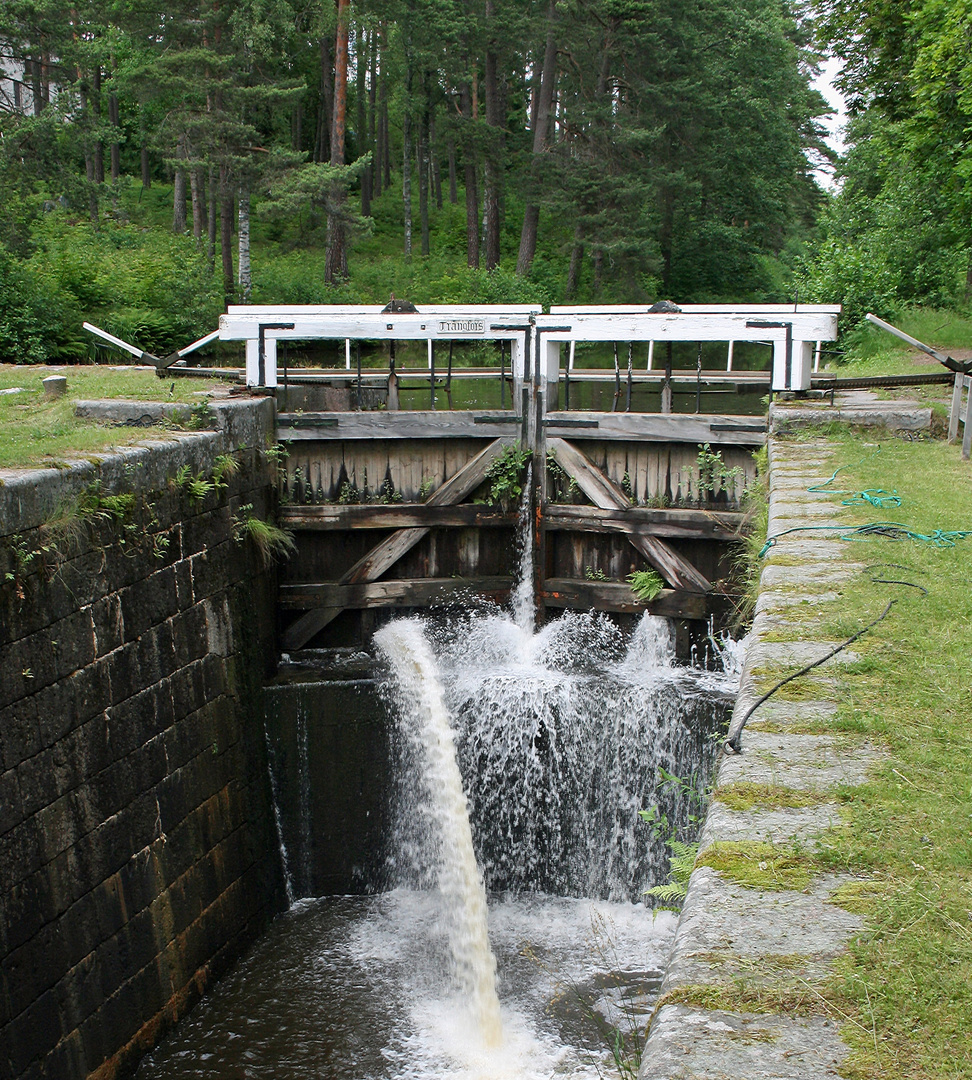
(893, 415)
(730, 935)
(708, 1044)
(28, 497)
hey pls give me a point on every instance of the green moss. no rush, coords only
(748, 796)
(749, 996)
(758, 865)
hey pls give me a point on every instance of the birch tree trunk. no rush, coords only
(245, 278)
(548, 79)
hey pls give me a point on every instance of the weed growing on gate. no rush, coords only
(505, 477)
(713, 474)
(747, 565)
(646, 584)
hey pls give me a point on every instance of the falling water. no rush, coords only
(562, 737)
(520, 762)
(278, 823)
(303, 771)
(459, 879)
(522, 600)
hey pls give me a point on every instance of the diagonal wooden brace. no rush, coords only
(679, 572)
(392, 548)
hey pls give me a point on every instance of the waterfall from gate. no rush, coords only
(459, 879)
(522, 600)
(524, 759)
(562, 737)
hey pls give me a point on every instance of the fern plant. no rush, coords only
(646, 584)
(681, 860)
(224, 466)
(196, 487)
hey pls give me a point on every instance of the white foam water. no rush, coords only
(562, 737)
(353, 987)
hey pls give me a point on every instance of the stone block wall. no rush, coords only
(138, 855)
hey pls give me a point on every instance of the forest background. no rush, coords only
(156, 166)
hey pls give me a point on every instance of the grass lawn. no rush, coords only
(37, 432)
(906, 983)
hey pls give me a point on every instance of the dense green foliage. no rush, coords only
(510, 149)
(899, 229)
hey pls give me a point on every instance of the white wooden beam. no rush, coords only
(688, 326)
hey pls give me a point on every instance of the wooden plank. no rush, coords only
(686, 325)
(329, 517)
(715, 429)
(695, 428)
(392, 548)
(752, 310)
(676, 570)
(643, 520)
(580, 595)
(414, 592)
(407, 424)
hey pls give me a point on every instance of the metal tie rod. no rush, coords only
(962, 367)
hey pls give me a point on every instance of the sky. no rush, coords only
(835, 122)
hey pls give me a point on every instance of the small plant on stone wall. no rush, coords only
(197, 487)
(272, 542)
(646, 584)
(63, 530)
(224, 467)
(682, 853)
(276, 452)
(681, 860)
(202, 417)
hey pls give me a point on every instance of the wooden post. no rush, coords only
(967, 436)
(627, 398)
(357, 352)
(538, 504)
(956, 410)
(666, 390)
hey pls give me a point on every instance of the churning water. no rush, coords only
(522, 762)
